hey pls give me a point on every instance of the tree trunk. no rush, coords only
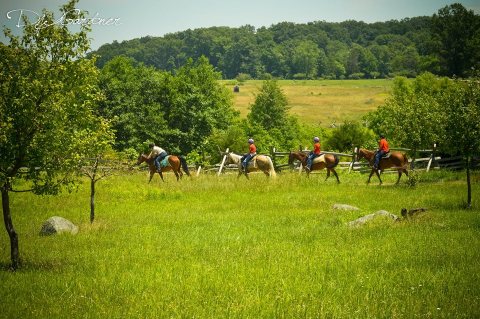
(7, 218)
(92, 200)
(469, 185)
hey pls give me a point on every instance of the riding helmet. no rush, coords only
(250, 141)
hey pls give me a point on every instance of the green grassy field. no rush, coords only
(320, 101)
(218, 247)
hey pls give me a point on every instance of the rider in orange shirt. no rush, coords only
(314, 153)
(383, 149)
(252, 152)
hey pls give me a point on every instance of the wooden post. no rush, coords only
(350, 167)
(272, 153)
(432, 158)
(223, 162)
(198, 170)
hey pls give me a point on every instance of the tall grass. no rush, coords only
(218, 247)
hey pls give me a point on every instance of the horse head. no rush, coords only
(363, 153)
(290, 158)
(141, 158)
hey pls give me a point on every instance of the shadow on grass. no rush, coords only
(28, 266)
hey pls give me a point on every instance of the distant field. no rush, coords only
(320, 102)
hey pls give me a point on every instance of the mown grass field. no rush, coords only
(320, 102)
(218, 247)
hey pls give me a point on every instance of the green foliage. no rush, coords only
(413, 115)
(446, 43)
(177, 111)
(462, 104)
(48, 98)
(457, 31)
(133, 102)
(269, 119)
(349, 135)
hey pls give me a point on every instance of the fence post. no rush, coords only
(354, 157)
(274, 160)
(432, 158)
(223, 162)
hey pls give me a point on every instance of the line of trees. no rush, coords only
(444, 44)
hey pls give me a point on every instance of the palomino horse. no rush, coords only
(258, 163)
(175, 163)
(396, 160)
(329, 161)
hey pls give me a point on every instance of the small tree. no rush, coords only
(462, 105)
(48, 92)
(413, 115)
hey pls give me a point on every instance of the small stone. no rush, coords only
(57, 225)
(345, 207)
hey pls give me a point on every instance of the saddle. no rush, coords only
(387, 155)
(165, 162)
(253, 162)
(319, 159)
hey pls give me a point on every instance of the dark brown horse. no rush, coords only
(175, 165)
(396, 160)
(328, 161)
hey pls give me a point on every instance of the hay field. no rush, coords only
(320, 102)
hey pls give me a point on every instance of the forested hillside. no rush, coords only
(447, 43)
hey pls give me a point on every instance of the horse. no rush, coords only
(396, 160)
(329, 161)
(175, 163)
(258, 163)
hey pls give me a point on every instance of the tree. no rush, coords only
(412, 115)
(462, 104)
(350, 134)
(133, 101)
(47, 100)
(458, 31)
(305, 58)
(269, 117)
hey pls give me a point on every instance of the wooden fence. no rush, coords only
(425, 160)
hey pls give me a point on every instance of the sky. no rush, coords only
(134, 19)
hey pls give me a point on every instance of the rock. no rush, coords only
(363, 220)
(57, 225)
(413, 211)
(345, 207)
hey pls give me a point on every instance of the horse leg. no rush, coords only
(336, 175)
(176, 175)
(151, 176)
(399, 175)
(161, 175)
(378, 175)
(371, 174)
(328, 174)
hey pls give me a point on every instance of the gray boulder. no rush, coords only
(364, 219)
(57, 225)
(345, 207)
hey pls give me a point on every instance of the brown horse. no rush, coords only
(396, 160)
(175, 165)
(329, 161)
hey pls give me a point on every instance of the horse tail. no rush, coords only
(337, 160)
(405, 160)
(183, 161)
(272, 168)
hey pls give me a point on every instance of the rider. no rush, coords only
(314, 153)
(157, 153)
(383, 149)
(247, 157)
